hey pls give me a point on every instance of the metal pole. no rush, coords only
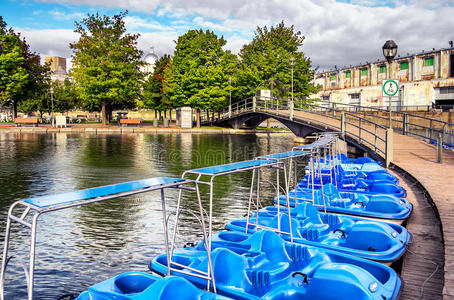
(390, 109)
(230, 97)
(52, 103)
(292, 61)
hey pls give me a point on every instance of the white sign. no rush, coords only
(390, 87)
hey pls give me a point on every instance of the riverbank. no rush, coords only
(99, 129)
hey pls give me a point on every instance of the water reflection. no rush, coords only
(80, 246)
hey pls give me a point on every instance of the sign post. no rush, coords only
(390, 87)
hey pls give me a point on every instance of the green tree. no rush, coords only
(22, 77)
(65, 96)
(106, 64)
(154, 96)
(199, 72)
(267, 57)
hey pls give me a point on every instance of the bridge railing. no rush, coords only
(367, 132)
(404, 122)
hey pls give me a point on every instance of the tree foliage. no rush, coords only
(106, 64)
(199, 73)
(22, 77)
(267, 57)
(154, 95)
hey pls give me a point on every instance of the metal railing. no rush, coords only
(403, 122)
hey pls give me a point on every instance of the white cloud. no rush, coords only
(134, 23)
(62, 16)
(50, 42)
(336, 33)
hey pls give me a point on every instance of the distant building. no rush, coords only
(426, 79)
(150, 59)
(57, 67)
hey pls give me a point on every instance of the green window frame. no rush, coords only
(333, 77)
(383, 69)
(428, 61)
(348, 74)
(404, 65)
(363, 72)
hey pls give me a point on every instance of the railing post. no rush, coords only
(334, 110)
(440, 148)
(343, 124)
(254, 103)
(404, 124)
(389, 147)
(291, 110)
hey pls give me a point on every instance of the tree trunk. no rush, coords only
(198, 118)
(14, 109)
(170, 115)
(105, 118)
(160, 115)
(165, 113)
(155, 114)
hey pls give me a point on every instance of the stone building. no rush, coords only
(426, 80)
(57, 67)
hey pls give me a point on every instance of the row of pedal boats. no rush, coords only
(340, 233)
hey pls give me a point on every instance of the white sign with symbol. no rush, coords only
(390, 87)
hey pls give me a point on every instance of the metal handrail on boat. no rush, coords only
(206, 176)
(32, 208)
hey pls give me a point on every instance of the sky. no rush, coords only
(337, 33)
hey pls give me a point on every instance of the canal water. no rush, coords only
(82, 246)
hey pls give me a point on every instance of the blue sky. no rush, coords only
(341, 33)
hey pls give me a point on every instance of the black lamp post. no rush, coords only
(389, 52)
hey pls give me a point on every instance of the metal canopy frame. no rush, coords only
(325, 143)
(206, 176)
(22, 211)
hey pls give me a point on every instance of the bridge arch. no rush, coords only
(253, 119)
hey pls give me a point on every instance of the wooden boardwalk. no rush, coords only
(422, 267)
(418, 159)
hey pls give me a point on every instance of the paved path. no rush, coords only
(418, 159)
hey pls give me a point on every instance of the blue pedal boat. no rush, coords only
(143, 286)
(357, 186)
(378, 241)
(263, 266)
(342, 158)
(379, 207)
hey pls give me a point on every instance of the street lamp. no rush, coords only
(230, 97)
(52, 104)
(292, 63)
(389, 52)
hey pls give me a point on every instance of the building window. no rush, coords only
(325, 98)
(348, 74)
(355, 96)
(404, 65)
(428, 61)
(447, 90)
(333, 77)
(363, 72)
(383, 69)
